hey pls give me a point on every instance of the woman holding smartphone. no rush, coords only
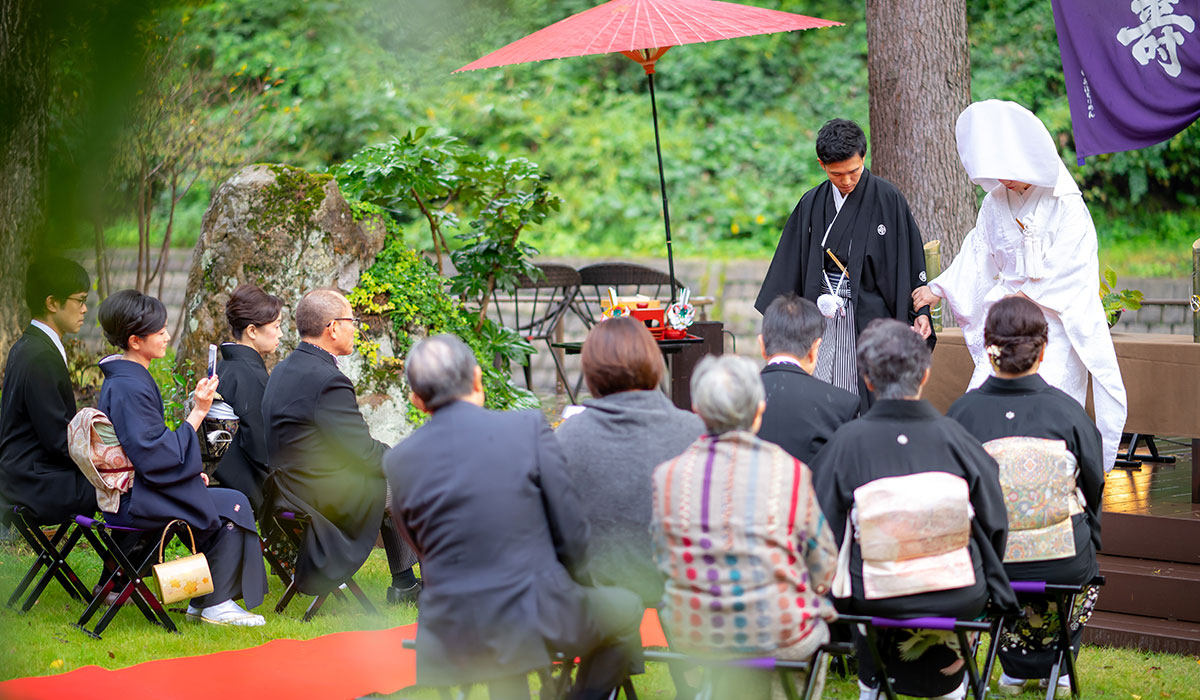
(169, 481)
(253, 317)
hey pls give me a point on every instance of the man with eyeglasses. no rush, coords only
(36, 470)
(323, 459)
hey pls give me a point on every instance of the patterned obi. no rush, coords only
(1038, 478)
(914, 532)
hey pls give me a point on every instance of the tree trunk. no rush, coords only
(24, 52)
(919, 79)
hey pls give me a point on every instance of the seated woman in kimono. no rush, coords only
(901, 486)
(1044, 443)
(168, 480)
(740, 539)
(253, 317)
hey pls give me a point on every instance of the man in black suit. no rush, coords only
(802, 411)
(36, 470)
(324, 461)
(484, 499)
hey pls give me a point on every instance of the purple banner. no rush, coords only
(1132, 70)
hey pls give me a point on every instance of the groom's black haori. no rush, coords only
(876, 238)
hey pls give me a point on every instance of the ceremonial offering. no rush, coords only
(614, 308)
(650, 313)
(681, 314)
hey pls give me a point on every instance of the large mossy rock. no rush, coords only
(288, 231)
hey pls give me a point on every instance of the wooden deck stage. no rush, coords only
(1151, 557)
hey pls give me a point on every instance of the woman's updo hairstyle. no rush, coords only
(129, 312)
(1014, 334)
(249, 306)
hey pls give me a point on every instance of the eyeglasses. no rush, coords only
(355, 321)
(81, 300)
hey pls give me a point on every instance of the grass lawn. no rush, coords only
(43, 642)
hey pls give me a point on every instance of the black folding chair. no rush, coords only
(976, 684)
(1064, 596)
(710, 690)
(51, 555)
(537, 307)
(128, 554)
(627, 279)
(288, 526)
(556, 685)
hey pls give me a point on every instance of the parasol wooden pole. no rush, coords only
(646, 58)
(662, 183)
(933, 268)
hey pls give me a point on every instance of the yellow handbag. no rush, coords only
(182, 578)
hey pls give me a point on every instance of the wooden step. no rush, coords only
(1144, 633)
(1151, 588)
(1174, 538)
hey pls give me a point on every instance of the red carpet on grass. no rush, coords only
(334, 667)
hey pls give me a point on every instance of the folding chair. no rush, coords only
(289, 526)
(536, 316)
(1063, 596)
(627, 278)
(51, 555)
(136, 545)
(976, 684)
(552, 687)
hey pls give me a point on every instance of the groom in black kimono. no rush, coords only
(864, 222)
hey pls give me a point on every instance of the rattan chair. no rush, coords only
(535, 309)
(627, 278)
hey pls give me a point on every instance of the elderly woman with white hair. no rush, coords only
(917, 505)
(738, 534)
(1033, 238)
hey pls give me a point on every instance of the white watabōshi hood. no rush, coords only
(1001, 140)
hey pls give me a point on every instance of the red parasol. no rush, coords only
(643, 30)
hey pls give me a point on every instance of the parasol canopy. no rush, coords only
(643, 30)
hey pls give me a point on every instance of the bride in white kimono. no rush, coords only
(1034, 237)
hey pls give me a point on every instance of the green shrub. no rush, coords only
(403, 295)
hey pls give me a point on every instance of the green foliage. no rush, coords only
(403, 290)
(436, 177)
(174, 387)
(1117, 301)
(737, 117)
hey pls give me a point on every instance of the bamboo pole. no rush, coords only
(933, 268)
(1195, 300)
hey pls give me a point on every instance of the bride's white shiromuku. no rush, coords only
(1041, 242)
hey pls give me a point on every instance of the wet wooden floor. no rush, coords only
(1161, 490)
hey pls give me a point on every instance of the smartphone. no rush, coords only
(212, 360)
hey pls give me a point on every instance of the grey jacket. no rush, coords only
(612, 449)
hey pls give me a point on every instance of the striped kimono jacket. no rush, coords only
(747, 555)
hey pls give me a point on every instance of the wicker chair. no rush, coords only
(536, 308)
(627, 278)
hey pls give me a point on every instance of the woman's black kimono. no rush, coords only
(899, 437)
(243, 376)
(167, 485)
(1029, 407)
